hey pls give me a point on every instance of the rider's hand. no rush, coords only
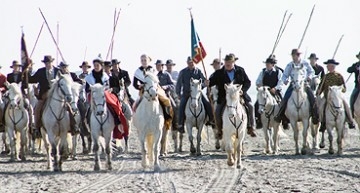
(141, 86)
(207, 82)
(273, 90)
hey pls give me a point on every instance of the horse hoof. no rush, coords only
(239, 166)
(331, 151)
(85, 152)
(230, 163)
(297, 153)
(56, 170)
(268, 151)
(322, 146)
(340, 153)
(5, 152)
(192, 150)
(198, 154)
(74, 158)
(96, 168)
(303, 151)
(157, 168)
(110, 168)
(217, 146)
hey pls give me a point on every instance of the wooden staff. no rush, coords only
(85, 53)
(113, 35)
(52, 36)
(307, 25)
(57, 41)
(277, 37)
(282, 31)
(37, 39)
(112, 43)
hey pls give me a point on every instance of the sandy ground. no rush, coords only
(184, 173)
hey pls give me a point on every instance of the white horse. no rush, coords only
(101, 124)
(298, 108)
(149, 120)
(214, 99)
(195, 114)
(16, 122)
(76, 89)
(56, 120)
(234, 124)
(268, 108)
(335, 116)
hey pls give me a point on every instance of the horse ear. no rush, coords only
(201, 81)
(191, 79)
(226, 86)
(257, 88)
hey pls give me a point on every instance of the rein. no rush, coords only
(102, 121)
(270, 112)
(194, 112)
(13, 115)
(233, 120)
(63, 109)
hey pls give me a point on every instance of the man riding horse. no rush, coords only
(355, 93)
(85, 66)
(309, 71)
(98, 75)
(183, 92)
(270, 76)
(138, 83)
(231, 72)
(333, 78)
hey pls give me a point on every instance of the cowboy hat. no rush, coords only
(216, 61)
(107, 63)
(15, 63)
(270, 61)
(313, 55)
(115, 61)
(47, 58)
(295, 51)
(85, 63)
(170, 62)
(159, 62)
(63, 64)
(331, 61)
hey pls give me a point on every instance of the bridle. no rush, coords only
(233, 120)
(102, 121)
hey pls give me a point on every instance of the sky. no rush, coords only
(161, 29)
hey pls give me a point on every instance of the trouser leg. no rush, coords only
(353, 97)
(218, 115)
(208, 109)
(349, 116)
(313, 107)
(257, 115)
(181, 114)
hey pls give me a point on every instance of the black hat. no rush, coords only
(358, 55)
(159, 62)
(189, 59)
(115, 61)
(47, 58)
(331, 61)
(313, 55)
(270, 61)
(107, 63)
(15, 63)
(63, 64)
(170, 62)
(230, 57)
(295, 51)
(85, 63)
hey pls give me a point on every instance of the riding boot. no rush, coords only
(250, 114)
(285, 123)
(313, 108)
(257, 116)
(209, 112)
(349, 118)
(323, 122)
(281, 112)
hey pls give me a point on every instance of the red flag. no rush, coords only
(198, 52)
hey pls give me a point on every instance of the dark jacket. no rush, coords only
(136, 81)
(114, 81)
(319, 69)
(40, 77)
(220, 78)
(353, 69)
(14, 77)
(75, 78)
(165, 81)
(183, 81)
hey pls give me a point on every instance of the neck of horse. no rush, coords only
(270, 103)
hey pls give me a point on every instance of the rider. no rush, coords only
(216, 64)
(43, 76)
(15, 76)
(317, 68)
(183, 92)
(107, 67)
(269, 76)
(309, 71)
(118, 74)
(231, 72)
(169, 68)
(85, 66)
(333, 78)
(97, 75)
(2, 108)
(138, 83)
(355, 93)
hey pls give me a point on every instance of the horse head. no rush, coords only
(150, 86)
(195, 92)
(82, 94)
(233, 93)
(64, 82)
(98, 98)
(15, 95)
(298, 75)
(335, 97)
(121, 94)
(263, 98)
(315, 82)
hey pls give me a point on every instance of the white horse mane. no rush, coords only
(152, 76)
(14, 88)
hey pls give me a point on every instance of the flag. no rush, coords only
(25, 60)
(197, 50)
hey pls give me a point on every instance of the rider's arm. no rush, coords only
(259, 79)
(353, 68)
(169, 82)
(34, 78)
(136, 83)
(286, 74)
(179, 83)
(279, 86)
(127, 80)
(344, 84)
(247, 82)
(309, 70)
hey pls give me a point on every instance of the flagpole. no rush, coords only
(113, 35)
(57, 41)
(307, 25)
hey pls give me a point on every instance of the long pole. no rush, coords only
(282, 32)
(277, 37)
(85, 53)
(57, 41)
(52, 36)
(112, 43)
(113, 35)
(307, 25)
(37, 39)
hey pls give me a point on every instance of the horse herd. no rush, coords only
(67, 98)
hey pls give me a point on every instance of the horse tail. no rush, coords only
(150, 146)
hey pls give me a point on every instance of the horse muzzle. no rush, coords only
(99, 113)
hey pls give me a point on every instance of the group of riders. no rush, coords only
(174, 87)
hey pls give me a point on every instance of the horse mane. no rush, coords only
(152, 76)
(14, 87)
(233, 88)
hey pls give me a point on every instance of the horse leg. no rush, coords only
(126, 139)
(331, 148)
(229, 148)
(217, 140)
(191, 138)
(340, 130)
(315, 136)
(175, 138)
(296, 137)
(107, 138)
(322, 142)
(6, 144)
(181, 137)
(95, 138)
(85, 150)
(89, 143)
(305, 134)
(156, 151)
(47, 147)
(54, 150)
(276, 138)
(24, 140)
(267, 137)
(12, 139)
(198, 138)
(74, 144)
(238, 153)
(144, 160)
(163, 150)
